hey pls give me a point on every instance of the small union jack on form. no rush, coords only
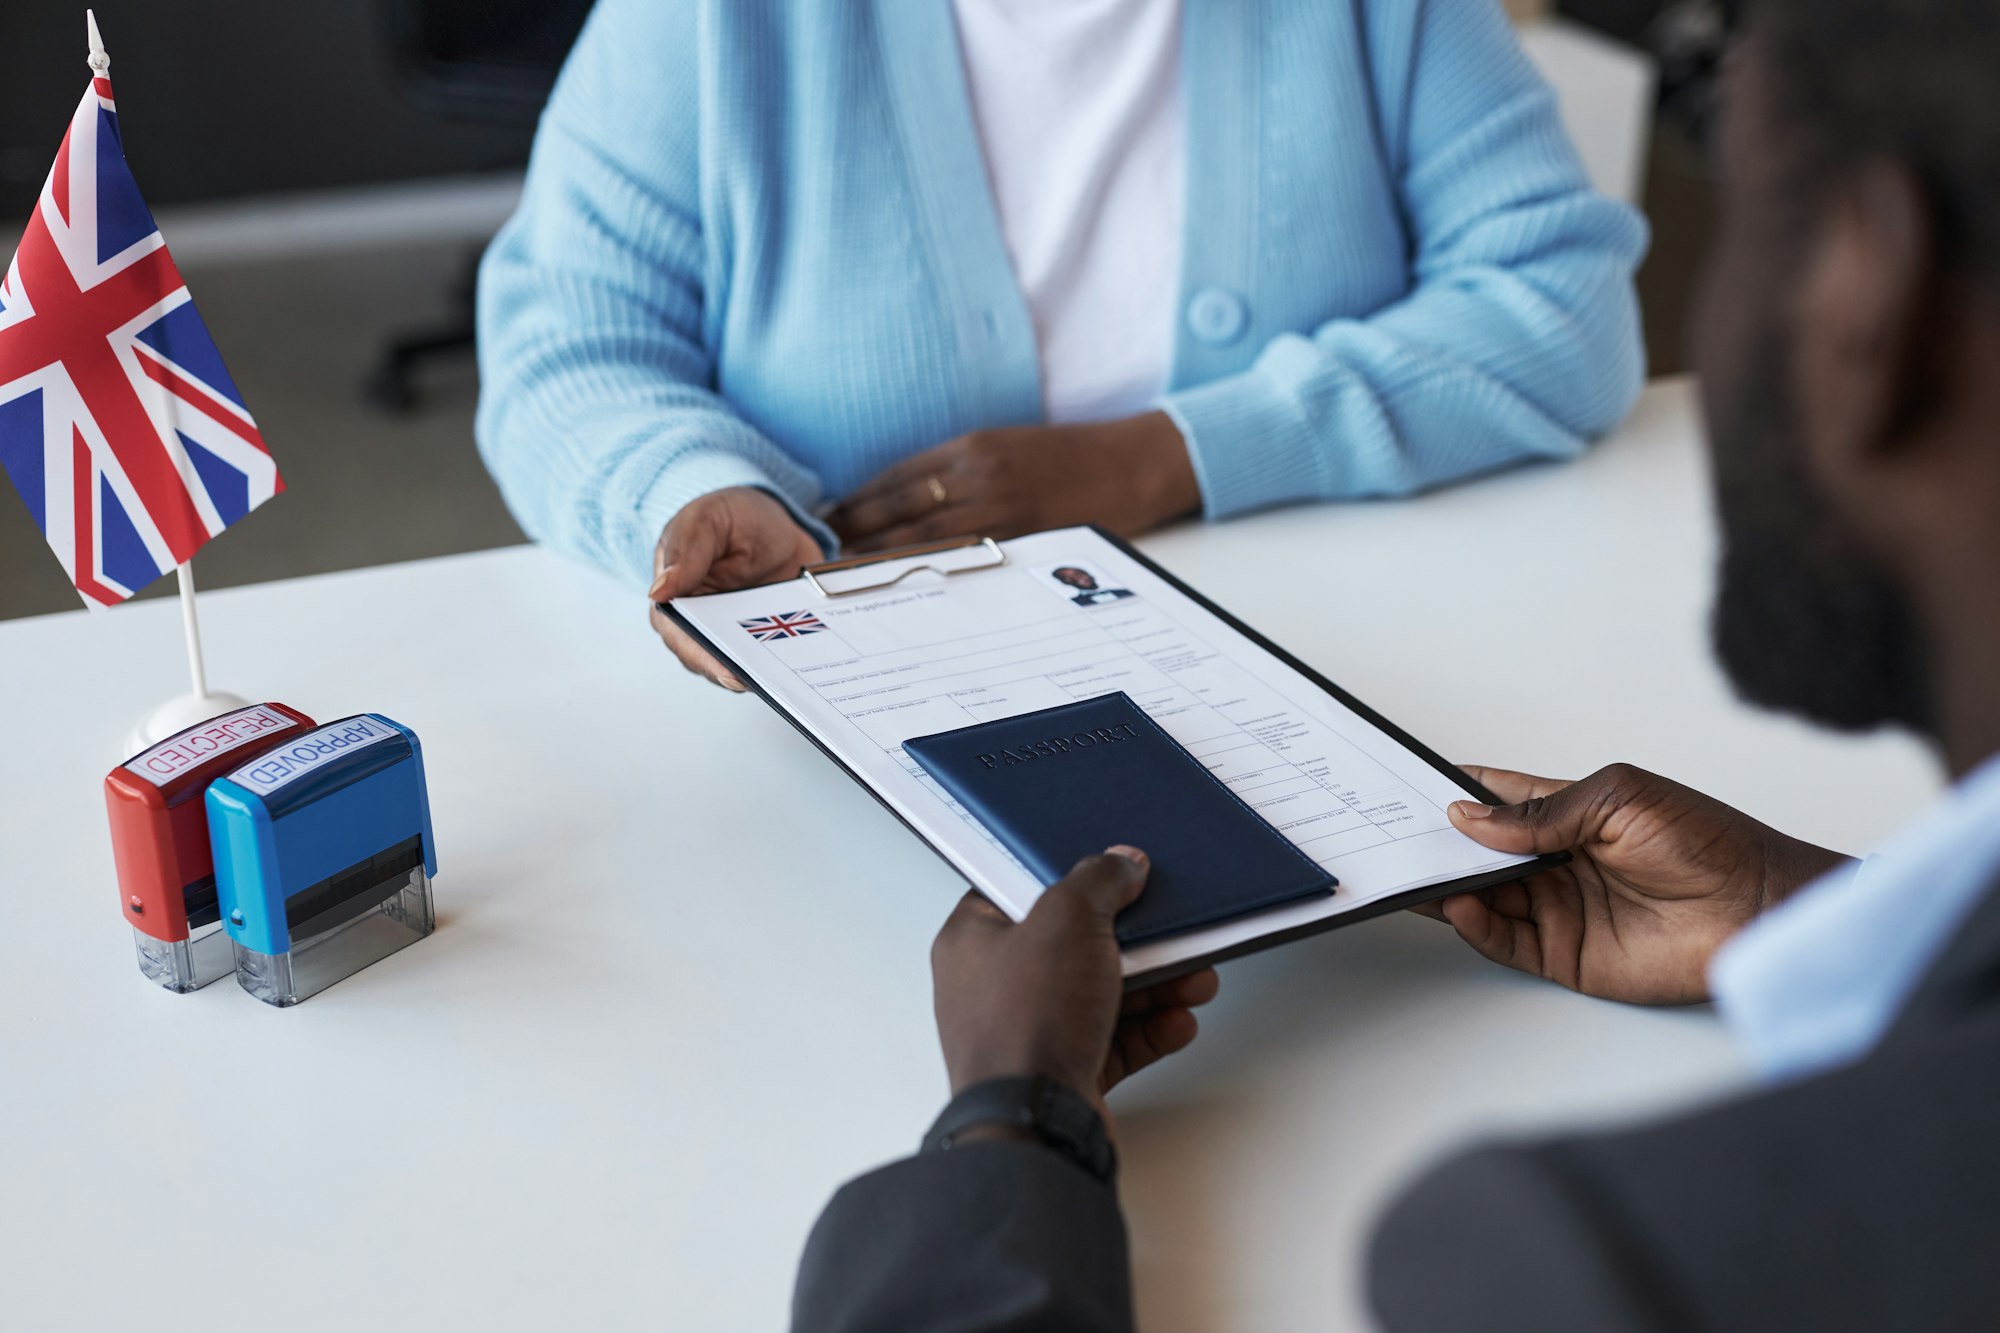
(118, 423)
(786, 625)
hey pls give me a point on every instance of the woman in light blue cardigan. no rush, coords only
(761, 295)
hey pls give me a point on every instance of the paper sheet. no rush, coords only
(1068, 617)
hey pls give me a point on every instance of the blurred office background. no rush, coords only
(326, 174)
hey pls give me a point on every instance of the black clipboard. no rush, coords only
(1366, 912)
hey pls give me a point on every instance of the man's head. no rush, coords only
(1076, 578)
(1849, 344)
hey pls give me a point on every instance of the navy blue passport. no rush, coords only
(1064, 783)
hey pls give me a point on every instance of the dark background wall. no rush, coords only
(1624, 19)
(235, 97)
(247, 97)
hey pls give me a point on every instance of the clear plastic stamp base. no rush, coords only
(186, 965)
(399, 918)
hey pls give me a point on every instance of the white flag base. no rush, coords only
(178, 715)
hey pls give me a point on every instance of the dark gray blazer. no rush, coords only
(1864, 1199)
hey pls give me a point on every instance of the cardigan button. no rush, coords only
(1217, 316)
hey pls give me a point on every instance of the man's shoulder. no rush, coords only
(1859, 1199)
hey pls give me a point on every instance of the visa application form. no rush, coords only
(1068, 616)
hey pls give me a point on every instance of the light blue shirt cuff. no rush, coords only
(1249, 448)
(1820, 979)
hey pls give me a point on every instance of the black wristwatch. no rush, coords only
(1050, 1111)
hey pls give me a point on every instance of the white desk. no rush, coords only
(652, 1033)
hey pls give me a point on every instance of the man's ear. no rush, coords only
(1866, 301)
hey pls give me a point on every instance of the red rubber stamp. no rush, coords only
(159, 840)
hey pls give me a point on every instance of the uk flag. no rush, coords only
(118, 423)
(784, 625)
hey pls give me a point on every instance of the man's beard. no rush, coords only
(1806, 619)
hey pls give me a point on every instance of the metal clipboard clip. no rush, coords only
(812, 572)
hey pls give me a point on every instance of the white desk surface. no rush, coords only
(679, 987)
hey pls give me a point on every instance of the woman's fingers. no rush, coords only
(726, 539)
(899, 493)
(688, 549)
(940, 460)
(974, 518)
(692, 655)
(936, 526)
(865, 515)
(685, 555)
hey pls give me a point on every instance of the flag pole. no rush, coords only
(200, 703)
(196, 672)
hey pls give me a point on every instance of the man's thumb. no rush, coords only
(1108, 882)
(1552, 823)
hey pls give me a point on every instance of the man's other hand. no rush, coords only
(735, 538)
(1659, 876)
(1046, 997)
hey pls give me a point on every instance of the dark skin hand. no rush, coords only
(1129, 475)
(1659, 876)
(1046, 997)
(728, 539)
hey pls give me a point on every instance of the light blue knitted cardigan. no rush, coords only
(758, 248)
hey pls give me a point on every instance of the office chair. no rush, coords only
(1686, 39)
(488, 60)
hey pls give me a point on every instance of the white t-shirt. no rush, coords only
(1078, 104)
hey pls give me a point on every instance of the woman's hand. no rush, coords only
(1659, 876)
(736, 538)
(1128, 475)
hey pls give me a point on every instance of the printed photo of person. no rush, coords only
(1084, 587)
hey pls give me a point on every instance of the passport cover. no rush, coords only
(1064, 783)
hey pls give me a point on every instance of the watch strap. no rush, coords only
(1053, 1112)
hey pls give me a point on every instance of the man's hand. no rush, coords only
(1660, 875)
(1128, 475)
(1046, 997)
(736, 538)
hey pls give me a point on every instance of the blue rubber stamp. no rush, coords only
(323, 856)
